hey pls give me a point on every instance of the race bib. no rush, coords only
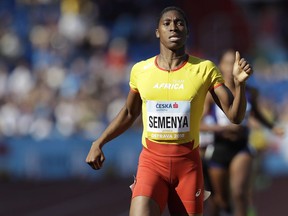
(168, 120)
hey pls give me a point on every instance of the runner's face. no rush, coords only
(172, 30)
(226, 64)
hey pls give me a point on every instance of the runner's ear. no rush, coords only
(157, 33)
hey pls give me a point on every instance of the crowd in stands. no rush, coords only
(64, 65)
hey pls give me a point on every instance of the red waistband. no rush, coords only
(170, 149)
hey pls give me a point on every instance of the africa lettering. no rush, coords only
(175, 86)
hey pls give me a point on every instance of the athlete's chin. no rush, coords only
(175, 46)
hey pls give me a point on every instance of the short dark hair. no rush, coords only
(174, 8)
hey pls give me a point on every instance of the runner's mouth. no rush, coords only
(174, 38)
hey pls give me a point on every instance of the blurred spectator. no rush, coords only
(73, 49)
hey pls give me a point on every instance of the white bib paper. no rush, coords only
(168, 120)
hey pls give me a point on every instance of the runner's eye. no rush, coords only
(180, 23)
(166, 23)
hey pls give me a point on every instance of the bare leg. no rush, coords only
(240, 181)
(144, 206)
(220, 184)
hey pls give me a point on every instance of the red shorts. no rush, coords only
(171, 174)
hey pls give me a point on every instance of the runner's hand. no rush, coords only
(95, 157)
(241, 69)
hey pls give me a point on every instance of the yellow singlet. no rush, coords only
(173, 100)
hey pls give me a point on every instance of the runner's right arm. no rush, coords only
(125, 118)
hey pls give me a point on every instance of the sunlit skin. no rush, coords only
(172, 33)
